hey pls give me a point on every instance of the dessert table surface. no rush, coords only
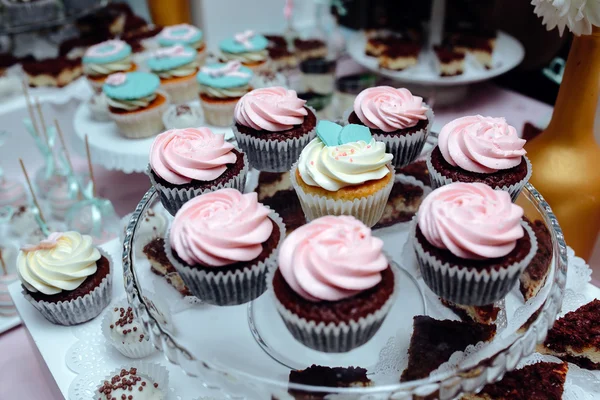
(24, 373)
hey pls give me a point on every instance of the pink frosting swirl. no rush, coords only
(389, 109)
(471, 220)
(271, 109)
(332, 258)
(182, 155)
(481, 144)
(220, 228)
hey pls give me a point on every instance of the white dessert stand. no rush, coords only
(113, 151)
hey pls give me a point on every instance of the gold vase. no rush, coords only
(566, 157)
(171, 12)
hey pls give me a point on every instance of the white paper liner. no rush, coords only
(468, 286)
(174, 198)
(81, 309)
(219, 113)
(260, 67)
(438, 180)
(151, 371)
(273, 155)
(233, 287)
(333, 338)
(366, 209)
(132, 350)
(143, 123)
(170, 118)
(182, 91)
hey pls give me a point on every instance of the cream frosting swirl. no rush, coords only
(184, 70)
(92, 69)
(182, 155)
(332, 258)
(333, 168)
(481, 144)
(224, 93)
(271, 109)
(471, 220)
(389, 109)
(248, 57)
(61, 262)
(220, 228)
(131, 105)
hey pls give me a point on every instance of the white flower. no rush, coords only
(578, 15)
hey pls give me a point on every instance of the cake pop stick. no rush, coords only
(35, 202)
(29, 107)
(42, 120)
(89, 159)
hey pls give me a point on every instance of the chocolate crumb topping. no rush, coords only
(579, 329)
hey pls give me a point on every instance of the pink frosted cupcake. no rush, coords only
(272, 125)
(397, 118)
(480, 149)
(222, 244)
(472, 243)
(334, 286)
(185, 163)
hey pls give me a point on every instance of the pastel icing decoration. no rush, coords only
(244, 42)
(107, 52)
(354, 133)
(137, 85)
(224, 76)
(179, 34)
(329, 132)
(168, 58)
(117, 79)
(272, 109)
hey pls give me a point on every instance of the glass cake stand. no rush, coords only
(246, 351)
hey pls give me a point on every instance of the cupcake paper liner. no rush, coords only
(182, 91)
(142, 124)
(233, 287)
(81, 309)
(132, 350)
(219, 113)
(366, 209)
(406, 148)
(151, 371)
(170, 118)
(439, 180)
(173, 198)
(272, 155)
(468, 286)
(333, 338)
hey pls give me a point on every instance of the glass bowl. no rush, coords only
(246, 351)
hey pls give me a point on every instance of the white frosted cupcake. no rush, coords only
(66, 278)
(343, 171)
(125, 332)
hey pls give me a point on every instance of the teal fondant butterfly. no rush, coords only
(333, 134)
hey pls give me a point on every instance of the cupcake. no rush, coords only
(395, 117)
(334, 286)
(135, 103)
(186, 35)
(272, 125)
(12, 193)
(247, 47)
(480, 149)
(344, 171)
(185, 163)
(126, 333)
(221, 86)
(176, 67)
(471, 243)
(65, 278)
(140, 382)
(222, 244)
(104, 59)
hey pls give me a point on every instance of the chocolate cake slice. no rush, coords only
(540, 381)
(534, 276)
(317, 375)
(275, 191)
(403, 203)
(160, 265)
(433, 342)
(418, 170)
(480, 314)
(576, 337)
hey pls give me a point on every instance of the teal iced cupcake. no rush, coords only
(176, 66)
(247, 47)
(186, 35)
